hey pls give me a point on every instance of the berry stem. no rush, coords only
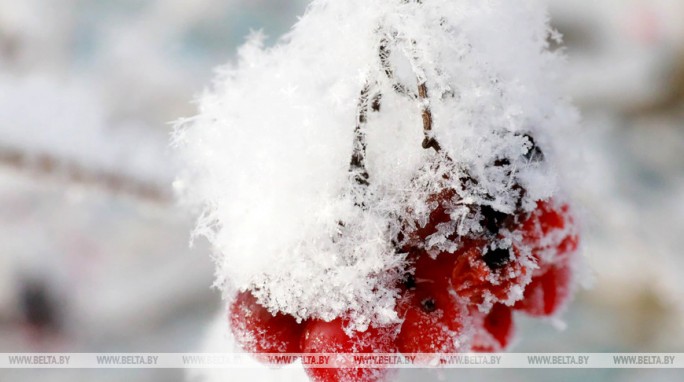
(429, 141)
(384, 52)
(357, 164)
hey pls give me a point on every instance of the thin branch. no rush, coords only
(376, 103)
(72, 172)
(384, 53)
(429, 141)
(357, 164)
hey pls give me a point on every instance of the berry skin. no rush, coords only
(496, 330)
(547, 292)
(329, 337)
(543, 220)
(550, 232)
(440, 214)
(481, 277)
(259, 331)
(430, 326)
(434, 274)
(433, 319)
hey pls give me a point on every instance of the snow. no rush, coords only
(267, 156)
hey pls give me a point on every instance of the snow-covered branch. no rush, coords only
(60, 169)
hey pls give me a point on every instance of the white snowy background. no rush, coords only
(87, 91)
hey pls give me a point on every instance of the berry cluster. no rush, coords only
(441, 299)
(258, 331)
(464, 300)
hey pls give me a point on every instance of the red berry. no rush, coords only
(550, 233)
(568, 245)
(433, 321)
(440, 213)
(540, 222)
(490, 276)
(547, 217)
(434, 273)
(548, 292)
(259, 331)
(496, 330)
(330, 337)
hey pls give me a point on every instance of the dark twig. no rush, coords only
(72, 172)
(357, 165)
(429, 141)
(384, 53)
(377, 101)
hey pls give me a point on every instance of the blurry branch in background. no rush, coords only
(68, 171)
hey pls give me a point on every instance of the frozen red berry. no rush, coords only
(329, 337)
(551, 234)
(544, 219)
(429, 329)
(495, 331)
(440, 204)
(432, 316)
(434, 273)
(257, 330)
(484, 274)
(433, 320)
(547, 292)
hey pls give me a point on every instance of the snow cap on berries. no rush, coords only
(268, 154)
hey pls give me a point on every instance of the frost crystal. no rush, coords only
(367, 81)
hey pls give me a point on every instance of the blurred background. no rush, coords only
(94, 253)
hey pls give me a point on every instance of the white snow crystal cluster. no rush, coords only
(268, 155)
